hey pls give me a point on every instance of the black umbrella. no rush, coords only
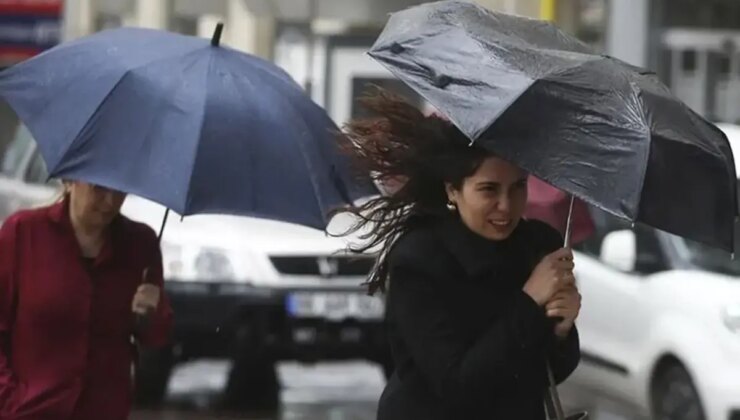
(596, 127)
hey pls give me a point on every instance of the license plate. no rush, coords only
(334, 306)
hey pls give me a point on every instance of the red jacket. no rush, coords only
(65, 325)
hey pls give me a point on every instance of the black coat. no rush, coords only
(467, 342)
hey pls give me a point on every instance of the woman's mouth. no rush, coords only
(500, 223)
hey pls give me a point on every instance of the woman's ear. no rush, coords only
(451, 193)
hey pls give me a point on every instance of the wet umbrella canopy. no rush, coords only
(605, 131)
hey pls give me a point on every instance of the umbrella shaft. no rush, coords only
(553, 390)
(164, 222)
(569, 223)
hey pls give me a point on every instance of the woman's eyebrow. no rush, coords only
(488, 183)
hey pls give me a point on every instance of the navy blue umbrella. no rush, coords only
(197, 127)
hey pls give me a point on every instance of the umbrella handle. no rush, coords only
(553, 395)
(141, 321)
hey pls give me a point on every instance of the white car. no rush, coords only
(660, 323)
(253, 290)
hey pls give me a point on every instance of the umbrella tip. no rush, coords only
(216, 39)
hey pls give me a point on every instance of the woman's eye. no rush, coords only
(488, 189)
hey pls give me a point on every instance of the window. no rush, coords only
(724, 65)
(591, 21)
(108, 21)
(604, 223)
(688, 61)
(650, 257)
(17, 151)
(184, 25)
(37, 173)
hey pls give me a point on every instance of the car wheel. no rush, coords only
(152, 376)
(252, 385)
(674, 395)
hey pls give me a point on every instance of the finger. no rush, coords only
(138, 297)
(566, 290)
(145, 275)
(553, 304)
(144, 305)
(564, 264)
(560, 305)
(142, 301)
(152, 296)
(556, 313)
(562, 254)
(564, 295)
(567, 302)
(565, 313)
(147, 296)
(140, 309)
(151, 289)
(147, 287)
(565, 281)
(564, 271)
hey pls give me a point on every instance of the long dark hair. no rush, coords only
(399, 142)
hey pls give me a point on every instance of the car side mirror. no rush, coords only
(619, 250)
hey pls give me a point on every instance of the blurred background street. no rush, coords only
(660, 324)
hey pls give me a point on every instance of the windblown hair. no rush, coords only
(398, 143)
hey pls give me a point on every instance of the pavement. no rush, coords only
(326, 391)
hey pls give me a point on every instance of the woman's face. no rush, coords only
(491, 201)
(94, 205)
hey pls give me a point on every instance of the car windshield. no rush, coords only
(713, 259)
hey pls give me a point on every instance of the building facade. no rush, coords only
(692, 44)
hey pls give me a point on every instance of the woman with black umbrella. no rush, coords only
(479, 299)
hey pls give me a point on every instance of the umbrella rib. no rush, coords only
(646, 159)
(107, 96)
(73, 143)
(304, 149)
(188, 198)
(299, 116)
(125, 72)
(533, 82)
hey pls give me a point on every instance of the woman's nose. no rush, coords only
(503, 203)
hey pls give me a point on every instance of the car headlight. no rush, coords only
(193, 263)
(214, 264)
(731, 317)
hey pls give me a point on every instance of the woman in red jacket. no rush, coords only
(73, 277)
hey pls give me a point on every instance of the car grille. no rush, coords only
(324, 266)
